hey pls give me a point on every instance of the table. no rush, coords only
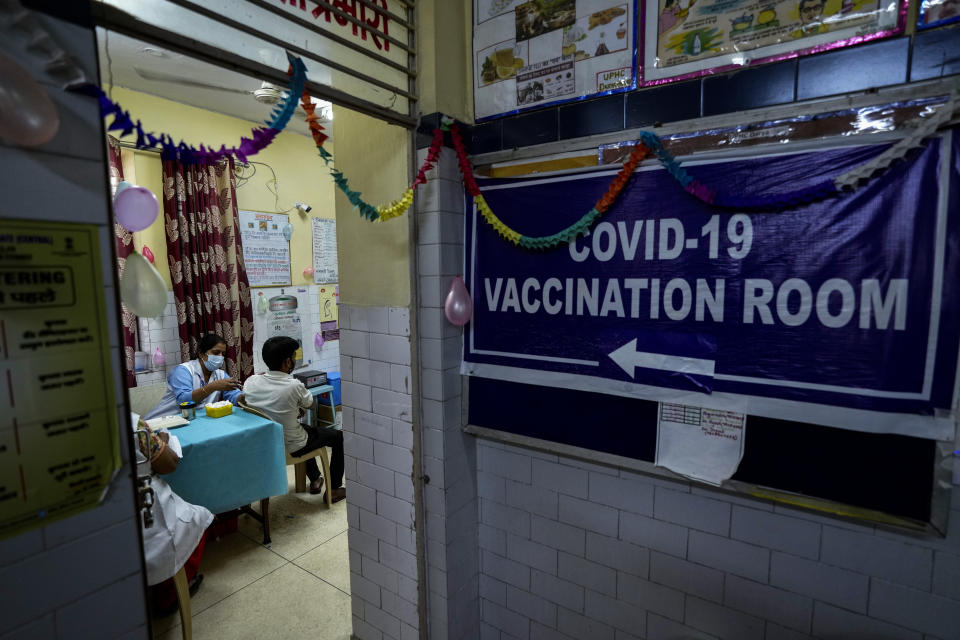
(316, 392)
(229, 462)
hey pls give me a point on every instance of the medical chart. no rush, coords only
(702, 444)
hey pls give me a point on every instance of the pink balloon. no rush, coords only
(28, 117)
(459, 306)
(318, 340)
(136, 208)
(308, 272)
(147, 253)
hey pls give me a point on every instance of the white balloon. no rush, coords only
(141, 287)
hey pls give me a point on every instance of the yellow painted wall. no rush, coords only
(445, 58)
(301, 174)
(374, 257)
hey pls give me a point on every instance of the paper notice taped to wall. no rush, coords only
(701, 444)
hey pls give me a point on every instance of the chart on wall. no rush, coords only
(324, 250)
(266, 247)
(529, 53)
(58, 426)
(683, 38)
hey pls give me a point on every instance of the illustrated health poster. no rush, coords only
(528, 53)
(691, 37)
(266, 250)
(58, 428)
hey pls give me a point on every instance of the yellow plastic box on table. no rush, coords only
(219, 409)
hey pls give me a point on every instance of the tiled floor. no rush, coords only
(298, 587)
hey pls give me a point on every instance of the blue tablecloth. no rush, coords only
(230, 461)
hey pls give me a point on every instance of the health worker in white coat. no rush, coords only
(176, 536)
(201, 380)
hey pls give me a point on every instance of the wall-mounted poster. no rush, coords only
(266, 251)
(530, 53)
(935, 13)
(324, 250)
(685, 38)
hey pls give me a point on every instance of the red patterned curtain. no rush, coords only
(124, 248)
(204, 250)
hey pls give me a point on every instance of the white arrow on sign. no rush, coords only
(627, 357)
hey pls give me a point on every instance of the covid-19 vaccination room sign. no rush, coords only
(843, 312)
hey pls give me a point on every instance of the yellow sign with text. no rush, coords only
(58, 440)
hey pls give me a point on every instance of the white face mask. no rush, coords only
(212, 363)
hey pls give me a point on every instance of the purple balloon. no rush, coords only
(136, 208)
(459, 306)
(318, 340)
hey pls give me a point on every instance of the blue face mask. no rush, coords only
(212, 363)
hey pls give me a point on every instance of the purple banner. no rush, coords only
(836, 313)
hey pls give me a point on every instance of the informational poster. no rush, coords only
(936, 13)
(529, 53)
(702, 444)
(324, 250)
(58, 429)
(266, 250)
(329, 297)
(684, 38)
(840, 312)
(329, 331)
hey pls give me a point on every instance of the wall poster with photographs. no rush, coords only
(530, 53)
(685, 38)
(936, 13)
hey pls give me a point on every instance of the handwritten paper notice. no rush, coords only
(266, 252)
(702, 444)
(58, 429)
(324, 250)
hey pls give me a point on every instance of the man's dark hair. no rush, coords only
(276, 350)
(209, 341)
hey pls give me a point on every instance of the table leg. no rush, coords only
(265, 510)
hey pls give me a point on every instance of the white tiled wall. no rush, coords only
(80, 577)
(448, 455)
(376, 390)
(572, 550)
(159, 333)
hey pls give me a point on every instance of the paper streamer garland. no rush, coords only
(382, 212)
(561, 237)
(261, 137)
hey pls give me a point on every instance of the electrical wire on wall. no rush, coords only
(245, 172)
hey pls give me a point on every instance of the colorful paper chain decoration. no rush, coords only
(261, 137)
(384, 211)
(561, 237)
(649, 143)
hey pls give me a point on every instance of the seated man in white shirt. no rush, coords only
(283, 398)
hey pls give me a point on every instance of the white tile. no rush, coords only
(400, 380)
(393, 349)
(20, 546)
(107, 613)
(67, 573)
(399, 321)
(355, 343)
(378, 319)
